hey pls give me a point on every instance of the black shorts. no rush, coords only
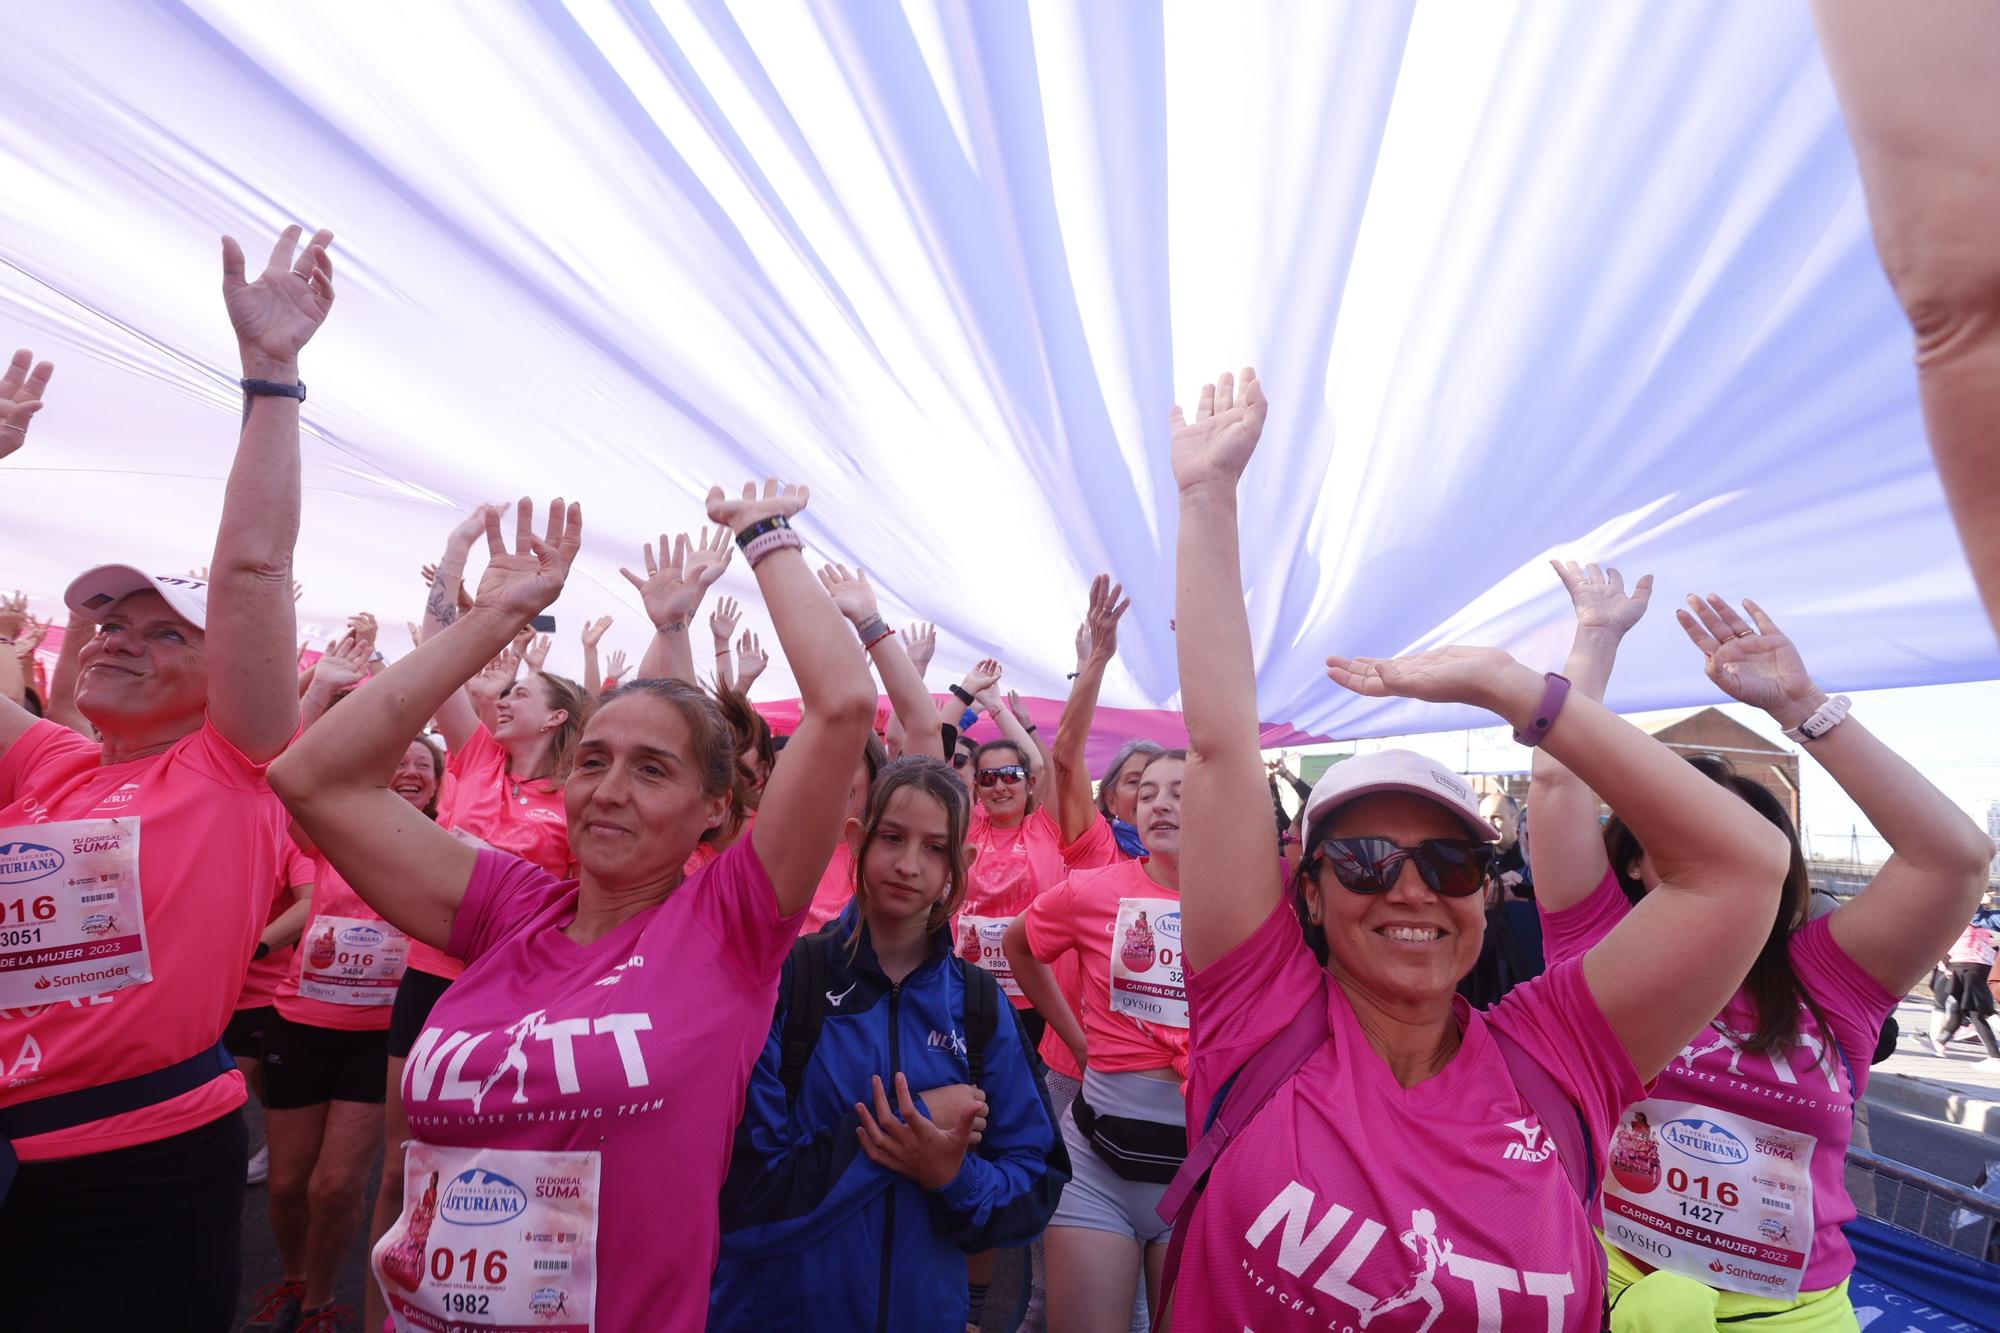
(416, 995)
(308, 1066)
(245, 1034)
(143, 1237)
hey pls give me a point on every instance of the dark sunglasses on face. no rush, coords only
(1010, 775)
(1453, 867)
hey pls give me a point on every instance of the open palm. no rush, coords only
(20, 398)
(523, 582)
(675, 584)
(1108, 605)
(278, 313)
(1600, 598)
(1216, 446)
(739, 512)
(1454, 675)
(1757, 665)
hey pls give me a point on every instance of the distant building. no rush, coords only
(1712, 731)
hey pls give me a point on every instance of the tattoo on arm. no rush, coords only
(674, 627)
(441, 607)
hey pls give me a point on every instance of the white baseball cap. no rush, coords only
(94, 592)
(1404, 771)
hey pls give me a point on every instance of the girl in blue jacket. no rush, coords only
(895, 1123)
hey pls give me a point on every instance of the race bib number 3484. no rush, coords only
(72, 922)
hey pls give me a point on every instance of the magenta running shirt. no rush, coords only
(1806, 1089)
(638, 1046)
(1351, 1202)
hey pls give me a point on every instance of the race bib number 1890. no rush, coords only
(1148, 979)
(72, 923)
(493, 1240)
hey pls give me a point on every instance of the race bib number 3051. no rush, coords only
(493, 1240)
(72, 923)
(1148, 979)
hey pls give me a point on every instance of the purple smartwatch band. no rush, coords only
(1553, 695)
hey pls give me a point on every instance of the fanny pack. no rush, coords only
(1145, 1151)
(67, 1110)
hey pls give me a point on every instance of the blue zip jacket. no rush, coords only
(817, 1236)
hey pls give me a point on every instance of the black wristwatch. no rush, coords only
(273, 389)
(958, 692)
(262, 950)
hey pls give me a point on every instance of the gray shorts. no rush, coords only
(1096, 1197)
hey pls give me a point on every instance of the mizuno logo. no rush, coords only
(835, 1000)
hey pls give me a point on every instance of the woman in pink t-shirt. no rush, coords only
(147, 863)
(1785, 1060)
(1385, 1183)
(584, 1076)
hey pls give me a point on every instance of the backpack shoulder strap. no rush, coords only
(1560, 1117)
(805, 1010)
(982, 1015)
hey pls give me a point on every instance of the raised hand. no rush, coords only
(13, 615)
(750, 660)
(1600, 598)
(1454, 675)
(1216, 446)
(979, 681)
(364, 629)
(494, 679)
(614, 667)
(521, 583)
(344, 664)
(20, 398)
(593, 630)
(1756, 665)
(1097, 637)
(723, 619)
(740, 512)
(31, 636)
(910, 1145)
(850, 592)
(277, 313)
(1019, 709)
(921, 640)
(430, 573)
(674, 585)
(537, 652)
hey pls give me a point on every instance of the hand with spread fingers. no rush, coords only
(850, 592)
(922, 641)
(20, 398)
(1215, 447)
(910, 1144)
(537, 651)
(777, 500)
(675, 584)
(1754, 664)
(593, 631)
(751, 660)
(276, 313)
(1600, 598)
(524, 582)
(722, 621)
(1454, 675)
(614, 667)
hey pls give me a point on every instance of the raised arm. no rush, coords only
(1674, 961)
(341, 668)
(900, 681)
(335, 779)
(457, 716)
(722, 622)
(1043, 783)
(593, 631)
(60, 706)
(13, 625)
(1926, 891)
(1229, 879)
(252, 633)
(1569, 842)
(1097, 644)
(800, 816)
(751, 660)
(672, 591)
(20, 398)
(1919, 89)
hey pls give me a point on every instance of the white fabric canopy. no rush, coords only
(1520, 279)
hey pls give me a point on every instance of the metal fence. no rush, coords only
(1957, 1216)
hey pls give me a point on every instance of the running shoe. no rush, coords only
(1929, 1043)
(260, 1166)
(334, 1318)
(278, 1305)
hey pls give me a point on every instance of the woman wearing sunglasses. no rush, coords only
(1785, 1059)
(1399, 1177)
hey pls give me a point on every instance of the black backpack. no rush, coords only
(805, 1008)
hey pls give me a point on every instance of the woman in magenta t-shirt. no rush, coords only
(1782, 1064)
(145, 866)
(583, 1078)
(1400, 1179)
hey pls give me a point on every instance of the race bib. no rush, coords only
(1717, 1197)
(72, 923)
(979, 942)
(1147, 980)
(492, 1240)
(352, 960)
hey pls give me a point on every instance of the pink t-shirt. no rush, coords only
(1975, 944)
(1077, 917)
(1805, 1090)
(1350, 1196)
(332, 896)
(835, 891)
(266, 974)
(209, 834)
(1014, 864)
(1097, 848)
(480, 798)
(639, 1045)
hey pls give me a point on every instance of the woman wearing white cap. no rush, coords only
(134, 872)
(1476, 1147)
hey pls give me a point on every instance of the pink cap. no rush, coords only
(1404, 771)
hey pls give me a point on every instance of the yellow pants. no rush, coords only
(1661, 1302)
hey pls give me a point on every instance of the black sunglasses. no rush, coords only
(1010, 774)
(1454, 867)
